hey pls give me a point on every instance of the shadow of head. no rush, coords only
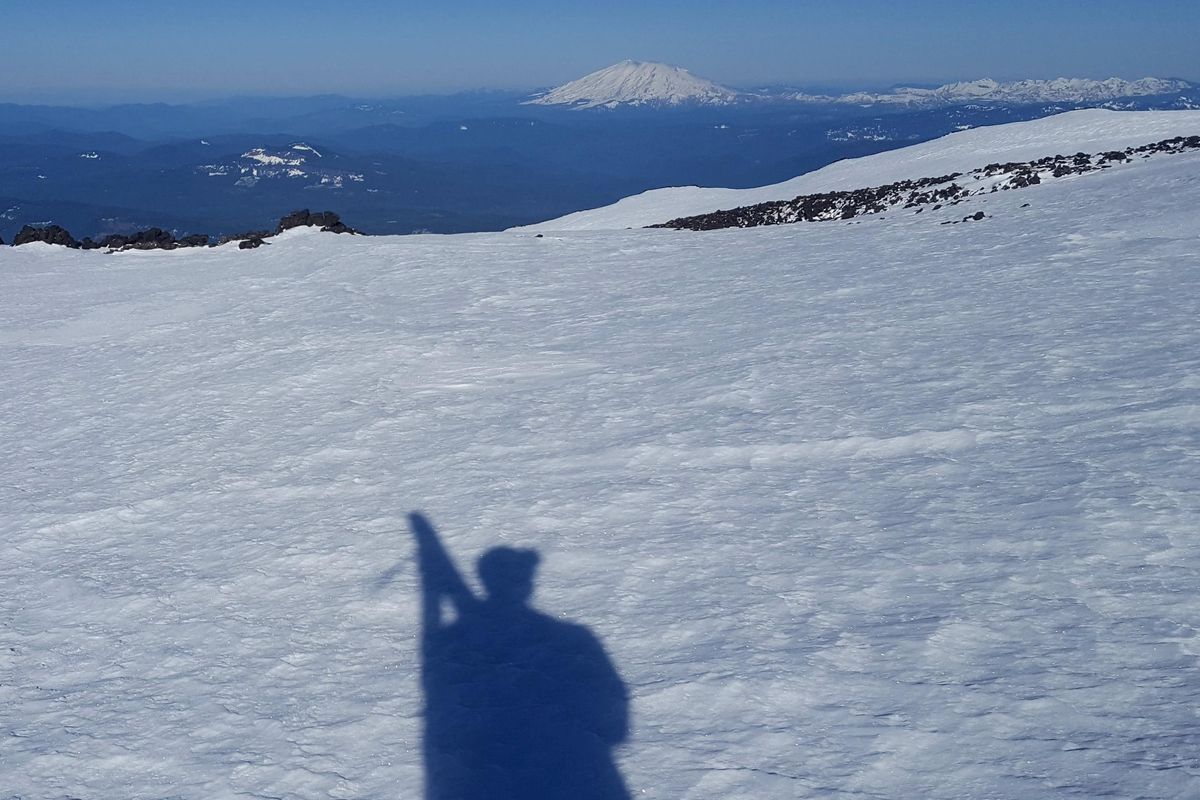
(507, 574)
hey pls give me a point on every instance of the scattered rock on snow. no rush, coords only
(918, 193)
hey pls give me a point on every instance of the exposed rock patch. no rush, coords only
(159, 239)
(917, 194)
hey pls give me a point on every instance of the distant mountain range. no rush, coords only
(639, 83)
(478, 160)
(1059, 90)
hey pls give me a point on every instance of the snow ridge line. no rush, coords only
(945, 189)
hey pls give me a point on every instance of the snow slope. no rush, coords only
(1091, 130)
(883, 510)
(636, 83)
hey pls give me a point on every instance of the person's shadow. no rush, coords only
(517, 704)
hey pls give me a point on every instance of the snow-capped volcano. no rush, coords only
(637, 83)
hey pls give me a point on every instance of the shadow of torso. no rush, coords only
(520, 705)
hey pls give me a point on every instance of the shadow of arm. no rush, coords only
(440, 579)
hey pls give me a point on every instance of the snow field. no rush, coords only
(882, 510)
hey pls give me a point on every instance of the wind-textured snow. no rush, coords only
(1089, 130)
(887, 510)
(637, 83)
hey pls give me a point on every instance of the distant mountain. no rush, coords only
(1059, 90)
(638, 83)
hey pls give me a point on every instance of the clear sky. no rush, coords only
(157, 49)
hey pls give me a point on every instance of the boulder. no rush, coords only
(50, 234)
(325, 220)
(152, 239)
(149, 239)
(193, 240)
(239, 237)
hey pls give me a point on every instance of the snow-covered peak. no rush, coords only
(1058, 90)
(637, 83)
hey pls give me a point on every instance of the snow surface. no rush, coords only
(637, 83)
(882, 510)
(1089, 131)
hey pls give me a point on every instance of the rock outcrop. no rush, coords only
(159, 239)
(149, 239)
(193, 240)
(939, 191)
(245, 237)
(325, 220)
(50, 234)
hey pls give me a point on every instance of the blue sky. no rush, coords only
(157, 49)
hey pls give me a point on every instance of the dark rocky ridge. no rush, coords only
(149, 239)
(922, 192)
(325, 220)
(248, 236)
(50, 234)
(158, 239)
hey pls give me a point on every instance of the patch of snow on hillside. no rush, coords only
(261, 156)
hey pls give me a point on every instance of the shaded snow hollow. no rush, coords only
(893, 509)
(1089, 131)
